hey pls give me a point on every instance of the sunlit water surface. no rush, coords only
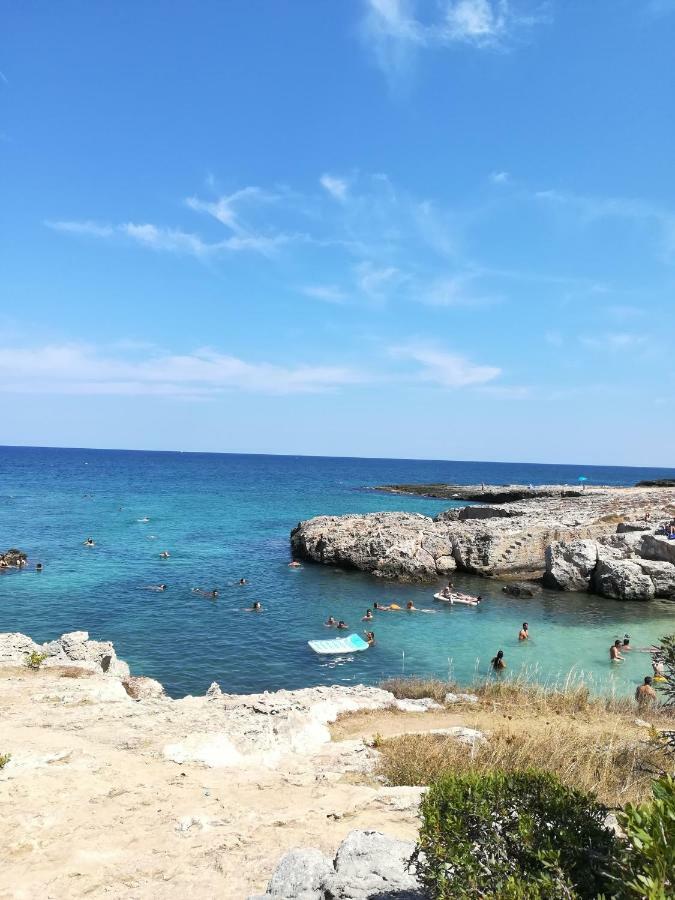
(223, 517)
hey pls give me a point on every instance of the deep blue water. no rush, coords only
(226, 516)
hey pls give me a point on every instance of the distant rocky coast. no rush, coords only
(610, 541)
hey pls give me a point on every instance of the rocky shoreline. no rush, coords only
(609, 541)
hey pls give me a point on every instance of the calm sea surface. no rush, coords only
(227, 516)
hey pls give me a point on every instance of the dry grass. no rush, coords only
(589, 741)
(616, 768)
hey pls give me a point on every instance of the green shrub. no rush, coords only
(35, 659)
(648, 863)
(4, 759)
(513, 836)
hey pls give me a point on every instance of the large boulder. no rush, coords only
(139, 687)
(371, 864)
(622, 580)
(657, 547)
(368, 865)
(662, 575)
(570, 565)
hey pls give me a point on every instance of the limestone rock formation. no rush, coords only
(368, 864)
(622, 580)
(554, 534)
(138, 687)
(569, 566)
(73, 649)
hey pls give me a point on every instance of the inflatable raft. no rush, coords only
(464, 599)
(339, 645)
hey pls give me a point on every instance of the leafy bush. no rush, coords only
(35, 659)
(518, 835)
(648, 864)
(4, 759)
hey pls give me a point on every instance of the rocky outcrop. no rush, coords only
(558, 538)
(72, 649)
(569, 566)
(138, 687)
(482, 493)
(368, 864)
(622, 579)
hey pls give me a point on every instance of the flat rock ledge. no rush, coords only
(73, 650)
(368, 864)
(607, 540)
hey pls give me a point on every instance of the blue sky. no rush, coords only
(367, 227)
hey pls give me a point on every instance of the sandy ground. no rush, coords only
(91, 808)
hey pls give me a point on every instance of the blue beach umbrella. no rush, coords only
(582, 478)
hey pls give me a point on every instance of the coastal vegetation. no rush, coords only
(4, 759)
(34, 659)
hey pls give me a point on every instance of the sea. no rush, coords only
(223, 517)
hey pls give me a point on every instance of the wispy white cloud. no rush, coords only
(328, 293)
(375, 282)
(394, 30)
(500, 177)
(86, 369)
(335, 186)
(613, 341)
(448, 370)
(453, 290)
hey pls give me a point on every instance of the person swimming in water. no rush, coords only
(294, 564)
(243, 581)
(89, 542)
(370, 637)
(410, 606)
(164, 554)
(368, 616)
(257, 607)
(156, 587)
(212, 595)
(626, 643)
(330, 622)
(615, 652)
(38, 567)
(524, 634)
(380, 608)
(342, 624)
(497, 661)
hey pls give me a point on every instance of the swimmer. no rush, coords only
(615, 652)
(657, 669)
(410, 606)
(645, 695)
(164, 554)
(497, 661)
(243, 581)
(38, 567)
(89, 543)
(368, 616)
(155, 587)
(380, 608)
(626, 643)
(524, 634)
(294, 564)
(144, 519)
(342, 624)
(255, 608)
(370, 637)
(212, 595)
(330, 622)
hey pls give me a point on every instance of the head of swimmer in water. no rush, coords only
(257, 606)
(242, 581)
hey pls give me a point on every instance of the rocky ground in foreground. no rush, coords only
(606, 540)
(115, 790)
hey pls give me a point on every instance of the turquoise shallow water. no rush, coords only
(223, 517)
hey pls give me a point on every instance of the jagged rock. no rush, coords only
(73, 648)
(569, 566)
(214, 692)
(622, 580)
(517, 589)
(300, 875)
(662, 575)
(656, 547)
(623, 527)
(371, 864)
(139, 687)
(484, 512)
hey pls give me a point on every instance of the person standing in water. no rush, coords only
(645, 695)
(524, 634)
(615, 652)
(497, 661)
